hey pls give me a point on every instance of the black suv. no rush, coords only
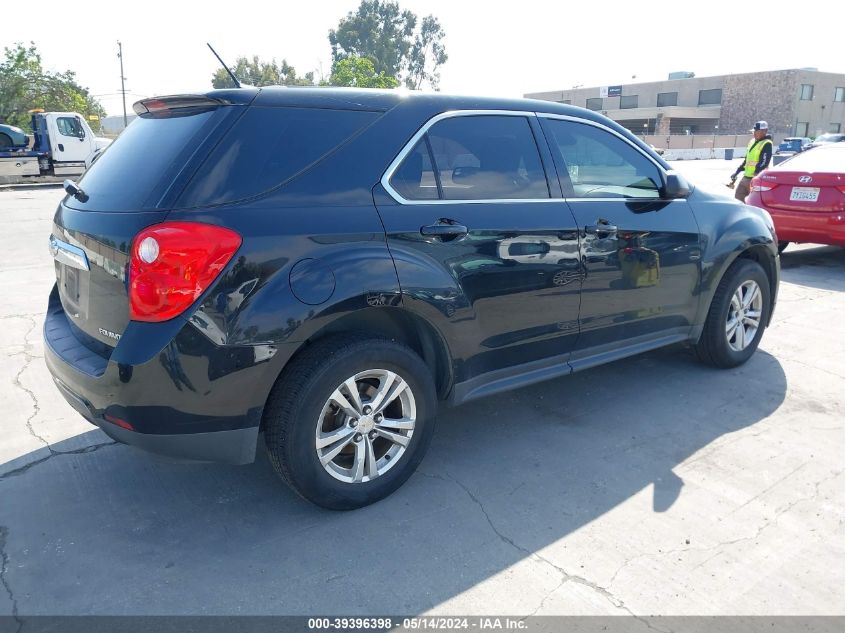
(324, 266)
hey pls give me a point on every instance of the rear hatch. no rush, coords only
(813, 181)
(128, 189)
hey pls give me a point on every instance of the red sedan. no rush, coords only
(805, 196)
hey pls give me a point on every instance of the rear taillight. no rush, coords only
(172, 264)
(758, 185)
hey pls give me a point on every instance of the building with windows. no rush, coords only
(797, 102)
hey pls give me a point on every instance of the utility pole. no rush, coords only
(122, 80)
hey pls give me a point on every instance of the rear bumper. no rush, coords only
(805, 226)
(236, 446)
(192, 400)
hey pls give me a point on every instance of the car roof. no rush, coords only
(383, 100)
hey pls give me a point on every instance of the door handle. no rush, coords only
(446, 229)
(600, 227)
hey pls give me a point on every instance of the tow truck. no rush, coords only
(63, 144)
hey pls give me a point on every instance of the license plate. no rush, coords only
(804, 194)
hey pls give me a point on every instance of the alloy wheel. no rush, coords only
(365, 426)
(744, 314)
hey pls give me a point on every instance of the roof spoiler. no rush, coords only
(170, 104)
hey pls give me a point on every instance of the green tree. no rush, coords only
(25, 85)
(427, 55)
(256, 72)
(359, 72)
(387, 35)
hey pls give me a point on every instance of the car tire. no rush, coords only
(5, 140)
(721, 346)
(303, 416)
(782, 246)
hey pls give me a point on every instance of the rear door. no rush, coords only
(480, 242)
(641, 252)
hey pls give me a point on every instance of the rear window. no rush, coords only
(134, 166)
(822, 159)
(268, 146)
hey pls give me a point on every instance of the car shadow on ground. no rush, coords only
(113, 531)
(817, 267)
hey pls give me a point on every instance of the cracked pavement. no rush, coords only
(652, 486)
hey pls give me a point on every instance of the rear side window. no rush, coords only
(414, 180)
(482, 157)
(134, 166)
(268, 146)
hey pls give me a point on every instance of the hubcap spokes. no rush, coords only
(744, 315)
(365, 426)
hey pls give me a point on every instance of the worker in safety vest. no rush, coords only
(756, 159)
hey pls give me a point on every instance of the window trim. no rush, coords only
(412, 143)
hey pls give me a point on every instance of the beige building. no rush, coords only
(798, 102)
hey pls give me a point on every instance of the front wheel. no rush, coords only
(737, 317)
(350, 420)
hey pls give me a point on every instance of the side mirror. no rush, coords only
(676, 186)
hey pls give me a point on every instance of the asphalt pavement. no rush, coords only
(653, 485)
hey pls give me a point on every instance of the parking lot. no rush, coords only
(654, 485)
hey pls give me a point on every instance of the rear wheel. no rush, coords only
(737, 316)
(782, 246)
(350, 420)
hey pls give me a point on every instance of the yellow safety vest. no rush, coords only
(752, 157)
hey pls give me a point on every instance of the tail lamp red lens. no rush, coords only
(172, 264)
(758, 185)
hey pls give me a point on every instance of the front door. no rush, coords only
(481, 247)
(70, 143)
(641, 253)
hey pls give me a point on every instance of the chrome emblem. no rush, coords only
(805, 179)
(109, 334)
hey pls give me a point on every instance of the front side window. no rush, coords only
(70, 126)
(483, 157)
(599, 164)
(806, 92)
